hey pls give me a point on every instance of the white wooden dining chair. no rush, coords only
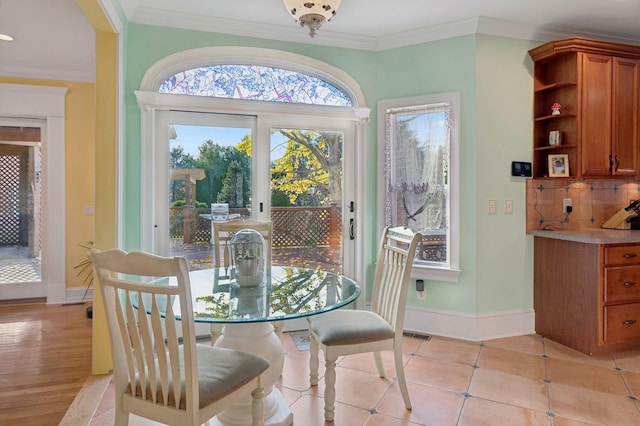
(346, 331)
(154, 375)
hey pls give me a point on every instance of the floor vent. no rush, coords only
(417, 335)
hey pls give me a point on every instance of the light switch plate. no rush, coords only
(508, 206)
(492, 206)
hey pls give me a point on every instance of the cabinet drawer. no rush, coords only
(621, 284)
(622, 255)
(622, 323)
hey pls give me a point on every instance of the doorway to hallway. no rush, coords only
(20, 212)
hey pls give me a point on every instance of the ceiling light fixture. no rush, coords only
(312, 14)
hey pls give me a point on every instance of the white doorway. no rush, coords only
(20, 211)
(43, 108)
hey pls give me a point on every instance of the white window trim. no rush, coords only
(451, 273)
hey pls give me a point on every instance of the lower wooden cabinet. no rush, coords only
(587, 296)
(622, 323)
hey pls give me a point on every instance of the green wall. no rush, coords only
(493, 76)
(440, 67)
(504, 111)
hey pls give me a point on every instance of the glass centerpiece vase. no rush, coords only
(248, 258)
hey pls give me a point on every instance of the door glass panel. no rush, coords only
(210, 175)
(306, 198)
(20, 214)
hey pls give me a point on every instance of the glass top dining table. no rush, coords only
(246, 315)
(288, 292)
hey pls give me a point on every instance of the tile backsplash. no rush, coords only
(593, 201)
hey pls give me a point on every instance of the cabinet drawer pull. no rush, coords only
(629, 322)
(629, 283)
(629, 255)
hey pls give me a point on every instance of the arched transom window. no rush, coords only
(254, 82)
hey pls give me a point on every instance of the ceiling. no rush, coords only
(54, 40)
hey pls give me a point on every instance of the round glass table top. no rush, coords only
(288, 292)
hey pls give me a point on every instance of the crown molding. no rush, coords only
(292, 33)
(497, 27)
(111, 14)
(288, 33)
(48, 72)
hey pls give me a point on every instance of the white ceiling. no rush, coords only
(54, 40)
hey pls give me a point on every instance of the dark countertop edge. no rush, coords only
(591, 236)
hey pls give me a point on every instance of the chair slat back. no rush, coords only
(395, 259)
(223, 232)
(143, 326)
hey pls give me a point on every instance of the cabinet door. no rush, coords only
(595, 115)
(626, 90)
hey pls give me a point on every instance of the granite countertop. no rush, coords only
(592, 236)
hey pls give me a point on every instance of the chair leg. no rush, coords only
(329, 389)
(277, 327)
(257, 407)
(402, 382)
(216, 331)
(377, 356)
(314, 363)
(121, 418)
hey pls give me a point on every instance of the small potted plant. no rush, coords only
(555, 108)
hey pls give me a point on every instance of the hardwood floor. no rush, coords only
(45, 358)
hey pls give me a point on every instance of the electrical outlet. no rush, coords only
(567, 207)
(420, 289)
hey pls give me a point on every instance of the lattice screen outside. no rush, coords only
(9, 200)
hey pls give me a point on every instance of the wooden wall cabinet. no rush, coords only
(598, 85)
(587, 296)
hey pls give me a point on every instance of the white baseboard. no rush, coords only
(75, 295)
(56, 292)
(471, 327)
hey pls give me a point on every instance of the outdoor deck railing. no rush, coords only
(292, 227)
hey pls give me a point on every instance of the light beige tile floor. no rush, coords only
(516, 381)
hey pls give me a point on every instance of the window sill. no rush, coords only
(435, 274)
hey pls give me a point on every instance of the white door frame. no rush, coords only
(349, 120)
(150, 101)
(44, 107)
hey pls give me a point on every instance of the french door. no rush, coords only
(296, 177)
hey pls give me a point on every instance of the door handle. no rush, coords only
(629, 322)
(352, 235)
(629, 283)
